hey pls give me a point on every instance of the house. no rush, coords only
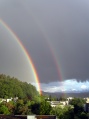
(15, 99)
(54, 103)
(64, 102)
(70, 98)
(2, 100)
(61, 103)
(8, 100)
(87, 100)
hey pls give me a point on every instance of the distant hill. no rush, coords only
(12, 87)
(58, 95)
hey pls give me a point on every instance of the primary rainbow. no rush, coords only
(25, 53)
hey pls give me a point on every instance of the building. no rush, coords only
(54, 103)
(87, 100)
(8, 100)
(70, 98)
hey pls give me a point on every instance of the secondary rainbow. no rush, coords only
(25, 53)
(47, 39)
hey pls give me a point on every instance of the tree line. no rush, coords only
(12, 87)
(42, 107)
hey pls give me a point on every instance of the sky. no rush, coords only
(55, 35)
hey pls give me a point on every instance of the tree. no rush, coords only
(78, 104)
(42, 108)
(62, 98)
(45, 108)
(12, 87)
(35, 108)
(65, 112)
(4, 110)
(11, 107)
(83, 115)
(21, 108)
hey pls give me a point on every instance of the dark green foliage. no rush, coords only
(62, 99)
(78, 104)
(4, 109)
(45, 108)
(42, 108)
(21, 108)
(83, 115)
(65, 112)
(12, 87)
(78, 108)
(35, 108)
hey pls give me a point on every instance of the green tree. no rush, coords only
(35, 108)
(12, 87)
(65, 112)
(21, 108)
(83, 115)
(45, 108)
(42, 108)
(11, 106)
(4, 110)
(62, 98)
(78, 104)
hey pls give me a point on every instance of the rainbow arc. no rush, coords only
(29, 59)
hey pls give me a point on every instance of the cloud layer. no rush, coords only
(66, 86)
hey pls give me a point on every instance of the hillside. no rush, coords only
(12, 87)
(66, 95)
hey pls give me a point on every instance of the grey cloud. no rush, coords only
(62, 24)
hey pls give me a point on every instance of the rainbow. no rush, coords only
(31, 64)
(47, 39)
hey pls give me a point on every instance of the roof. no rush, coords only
(45, 117)
(27, 116)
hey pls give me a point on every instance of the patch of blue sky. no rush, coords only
(70, 85)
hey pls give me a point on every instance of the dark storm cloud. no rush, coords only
(66, 25)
